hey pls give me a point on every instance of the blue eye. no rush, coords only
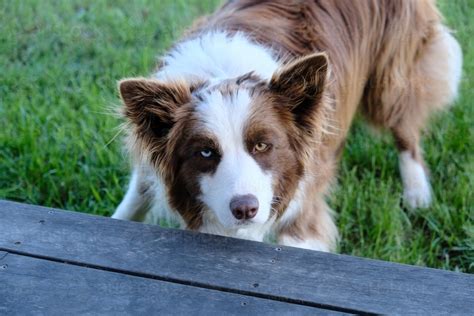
(206, 153)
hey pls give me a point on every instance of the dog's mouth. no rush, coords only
(244, 223)
(240, 224)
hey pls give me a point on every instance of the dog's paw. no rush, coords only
(417, 196)
(312, 244)
(416, 186)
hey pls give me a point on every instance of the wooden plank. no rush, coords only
(307, 277)
(35, 286)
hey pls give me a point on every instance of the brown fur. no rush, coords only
(379, 54)
(375, 48)
(159, 114)
(297, 95)
(166, 131)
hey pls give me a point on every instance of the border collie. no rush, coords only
(239, 131)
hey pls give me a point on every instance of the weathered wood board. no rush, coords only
(32, 286)
(224, 265)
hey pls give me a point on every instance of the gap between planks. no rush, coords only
(188, 283)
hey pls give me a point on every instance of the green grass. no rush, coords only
(59, 63)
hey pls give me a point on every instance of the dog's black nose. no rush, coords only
(244, 206)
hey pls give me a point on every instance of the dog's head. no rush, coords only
(235, 148)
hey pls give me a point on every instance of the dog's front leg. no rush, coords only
(311, 228)
(137, 200)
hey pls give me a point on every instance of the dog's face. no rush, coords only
(233, 148)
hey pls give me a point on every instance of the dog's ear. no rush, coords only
(150, 104)
(302, 83)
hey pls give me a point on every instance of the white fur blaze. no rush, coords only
(237, 173)
(416, 186)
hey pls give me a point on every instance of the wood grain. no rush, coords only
(36, 286)
(287, 274)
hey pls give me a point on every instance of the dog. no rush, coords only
(239, 131)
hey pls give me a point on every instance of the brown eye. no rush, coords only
(261, 147)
